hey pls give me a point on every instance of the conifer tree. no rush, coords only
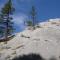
(33, 15)
(32, 22)
(6, 19)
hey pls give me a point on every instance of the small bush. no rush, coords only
(29, 23)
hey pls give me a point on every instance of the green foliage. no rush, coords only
(6, 19)
(29, 23)
(8, 8)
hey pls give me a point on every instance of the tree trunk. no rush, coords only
(6, 32)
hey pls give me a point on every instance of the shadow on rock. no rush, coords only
(29, 57)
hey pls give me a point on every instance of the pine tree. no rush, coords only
(33, 15)
(32, 22)
(6, 19)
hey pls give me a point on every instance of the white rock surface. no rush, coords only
(44, 41)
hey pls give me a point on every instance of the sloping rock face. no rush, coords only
(44, 41)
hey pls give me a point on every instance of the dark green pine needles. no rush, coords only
(6, 24)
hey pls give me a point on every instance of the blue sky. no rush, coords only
(46, 9)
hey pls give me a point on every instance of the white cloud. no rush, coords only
(19, 19)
